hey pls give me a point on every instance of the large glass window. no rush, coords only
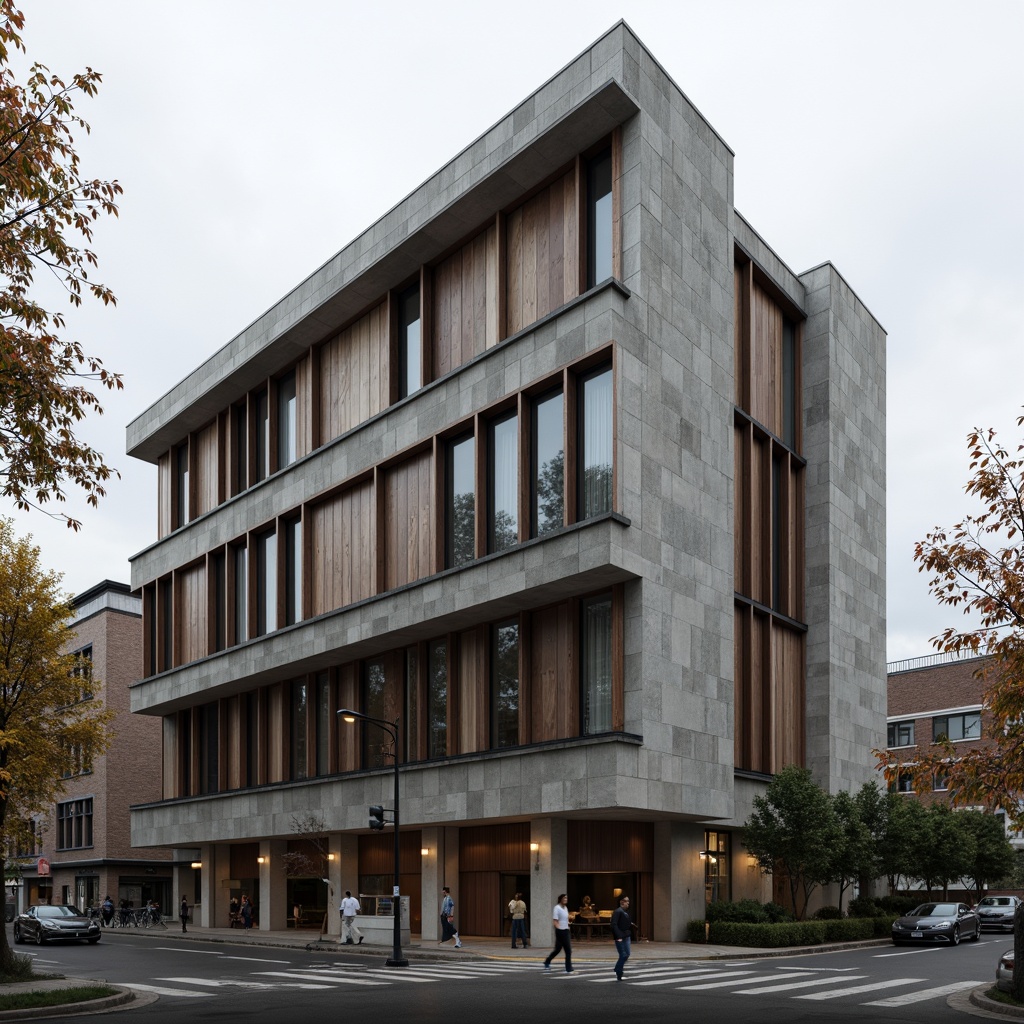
(548, 497)
(262, 412)
(461, 500)
(717, 876)
(505, 684)
(287, 445)
(412, 704)
(292, 571)
(324, 723)
(599, 218)
(209, 777)
(376, 741)
(299, 724)
(241, 568)
(409, 342)
(266, 583)
(166, 626)
(596, 664)
(437, 700)
(503, 528)
(595, 444)
(789, 411)
(74, 824)
(218, 578)
(240, 442)
(957, 727)
(252, 737)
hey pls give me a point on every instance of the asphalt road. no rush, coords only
(236, 982)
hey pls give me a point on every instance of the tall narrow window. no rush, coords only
(181, 484)
(209, 720)
(166, 626)
(299, 724)
(596, 664)
(219, 590)
(548, 497)
(185, 752)
(789, 411)
(324, 723)
(599, 218)
(409, 342)
(437, 700)
(241, 570)
(287, 444)
(152, 621)
(292, 571)
(505, 684)
(266, 583)
(376, 743)
(240, 447)
(262, 409)
(502, 476)
(461, 502)
(595, 444)
(252, 734)
(412, 704)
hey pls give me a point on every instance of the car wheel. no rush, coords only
(954, 939)
(18, 937)
(39, 937)
(93, 940)
(896, 942)
(977, 934)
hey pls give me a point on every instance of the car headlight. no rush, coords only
(942, 924)
(51, 926)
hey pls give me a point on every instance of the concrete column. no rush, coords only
(678, 879)
(335, 889)
(273, 910)
(216, 860)
(430, 883)
(549, 875)
(449, 874)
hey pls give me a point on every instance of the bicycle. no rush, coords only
(151, 918)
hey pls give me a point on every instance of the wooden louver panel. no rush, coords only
(341, 549)
(190, 619)
(542, 254)
(555, 689)
(408, 523)
(205, 462)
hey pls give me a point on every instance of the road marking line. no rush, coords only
(793, 985)
(857, 989)
(732, 976)
(926, 993)
(255, 959)
(319, 977)
(674, 979)
(157, 990)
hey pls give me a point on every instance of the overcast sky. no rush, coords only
(255, 139)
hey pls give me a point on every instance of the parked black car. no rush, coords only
(937, 922)
(42, 923)
(997, 912)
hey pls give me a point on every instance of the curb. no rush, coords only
(121, 1000)
(979, 999)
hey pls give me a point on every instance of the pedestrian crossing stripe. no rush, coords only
(810, 983)
(856, 990)
(928, 993)
(158, 991)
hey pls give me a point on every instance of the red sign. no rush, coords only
(43, 866)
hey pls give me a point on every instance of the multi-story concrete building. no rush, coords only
(84, 850)
(559, 464)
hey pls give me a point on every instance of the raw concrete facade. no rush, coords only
(667, 543)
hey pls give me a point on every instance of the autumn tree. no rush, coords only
(46, 727)
(48, 210)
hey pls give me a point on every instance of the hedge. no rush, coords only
(795, 933)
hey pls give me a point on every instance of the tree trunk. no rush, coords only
(7, 956)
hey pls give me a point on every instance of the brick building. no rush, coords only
(86, 840)
(559, 465)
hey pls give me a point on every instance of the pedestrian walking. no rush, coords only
(448, 929)
(560, 918)
(349, 908)
(183, 913)
(517, 908)
(246, 913)
(622, 933)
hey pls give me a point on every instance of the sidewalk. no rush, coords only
(595, 950)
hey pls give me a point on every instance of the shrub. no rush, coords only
(749, 911)
(789, 933)
(777, 914)
(862, 906)
(897, 905)
(850, 929)
(696, 931)
(19, 969)
(828, 914)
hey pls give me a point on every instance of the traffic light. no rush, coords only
(377, 818)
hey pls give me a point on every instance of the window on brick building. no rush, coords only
(957, 727)
(900, 734)
(74, 824)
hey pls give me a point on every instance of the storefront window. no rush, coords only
(717, 875)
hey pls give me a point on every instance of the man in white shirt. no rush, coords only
(560, 918)
(349, 909)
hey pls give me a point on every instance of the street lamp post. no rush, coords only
(397, 960)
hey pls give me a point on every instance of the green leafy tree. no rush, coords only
(946, 851)
(903, 831)
(48, 210)
(854, 856)
(793, 833)
(45, 726)
(993, 854)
